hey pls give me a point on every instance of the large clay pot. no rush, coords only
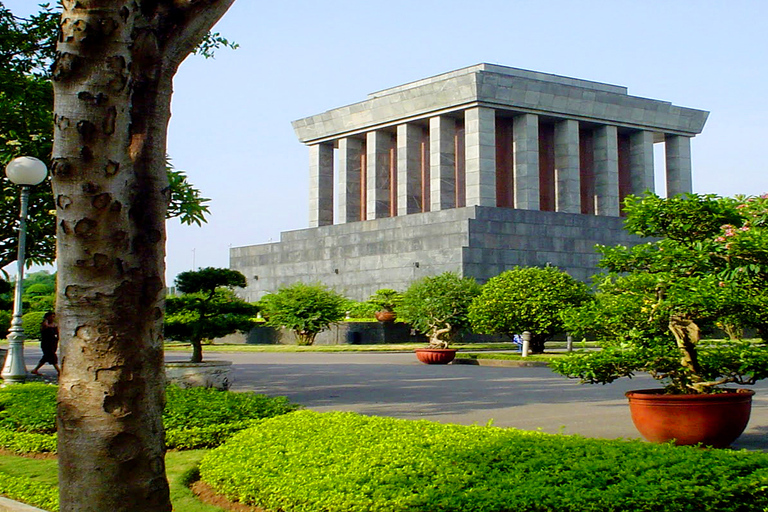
(385, 315)
(713, 419)
(435, 355)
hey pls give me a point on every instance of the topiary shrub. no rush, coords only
(30, 322)
(527, 299)
(437, 306)
(306, 309)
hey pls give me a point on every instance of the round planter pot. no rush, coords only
(714, 420)
(385, 316)
(435, 355)
(208, 374)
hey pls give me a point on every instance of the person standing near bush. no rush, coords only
(49, 342)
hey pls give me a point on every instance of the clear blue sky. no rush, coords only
(231, 126)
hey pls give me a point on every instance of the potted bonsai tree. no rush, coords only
(707, 263)
(437, 306)
(386, 300)
(527, 299)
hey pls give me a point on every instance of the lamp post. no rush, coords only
(25, 171)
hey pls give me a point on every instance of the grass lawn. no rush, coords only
(178, 464)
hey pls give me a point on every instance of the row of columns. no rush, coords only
(454, 163)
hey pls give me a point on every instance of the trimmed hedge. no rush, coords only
(308, 461)
(193, 417)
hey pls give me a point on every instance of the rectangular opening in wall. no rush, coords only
(587, 170)
(660, 168)
(547, 167)
(505, 175)
(460, 165)
(425, 191)
(625, 178)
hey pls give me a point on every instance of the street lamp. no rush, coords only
(25, 171)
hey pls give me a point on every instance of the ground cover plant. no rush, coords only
(193, 417)
(308, 461)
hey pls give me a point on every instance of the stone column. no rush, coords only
(525, 161)
(378, 144)
(442, 163)
(678, 152)
(567, 182)
(606, 171)
(320, 184)
(480, 156)
(641, 162)
(350, 183)
(408, 169)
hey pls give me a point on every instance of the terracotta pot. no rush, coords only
(713, 420)
(385, 315)
(435, 355)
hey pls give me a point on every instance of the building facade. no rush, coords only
(474, 171)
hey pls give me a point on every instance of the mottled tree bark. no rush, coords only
(112, 84)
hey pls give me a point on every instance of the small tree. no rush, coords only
(306, 309)
(437, 306)
(527, 299)
(204, 300)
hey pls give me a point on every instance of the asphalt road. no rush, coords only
(399, 386)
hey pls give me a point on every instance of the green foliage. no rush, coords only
(708, 265)
(33, 493)
(208, 308)
(186, 202)
(527, 299)
(346, 462)
(360, 309)
(437, 306)
(306, 309)
(5, 323)
(386, 299)
(193, 417)
(30, 322)
(28, 408)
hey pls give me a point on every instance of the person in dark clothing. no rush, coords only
(49, 342)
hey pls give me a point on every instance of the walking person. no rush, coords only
(49, 342)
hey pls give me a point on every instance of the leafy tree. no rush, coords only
(438, 306)
(207, 309)
(27, 49)
(112, 81)
(708, 263)
(306, 309)
(527, 299)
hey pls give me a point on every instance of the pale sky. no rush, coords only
(231, 120)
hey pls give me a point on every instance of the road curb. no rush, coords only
(502, 363)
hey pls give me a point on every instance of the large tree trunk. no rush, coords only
(112, 83)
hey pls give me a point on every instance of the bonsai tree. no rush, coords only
(386, 299)
(437, 306)
(306, 309)
(527, 299)
(208, 307)
(707, 264)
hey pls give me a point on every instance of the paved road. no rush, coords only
(399, 386)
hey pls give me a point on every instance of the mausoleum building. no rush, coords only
(473, 171)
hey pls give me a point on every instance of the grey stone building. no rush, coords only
(475, 171)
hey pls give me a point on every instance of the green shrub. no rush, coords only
(360, 309)
(30, 322)
(5, 323)
(29, 408)
(307, 461)
(437, 306)
(527, 299)
(30, 492)
(306, 309)
(193, 417)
